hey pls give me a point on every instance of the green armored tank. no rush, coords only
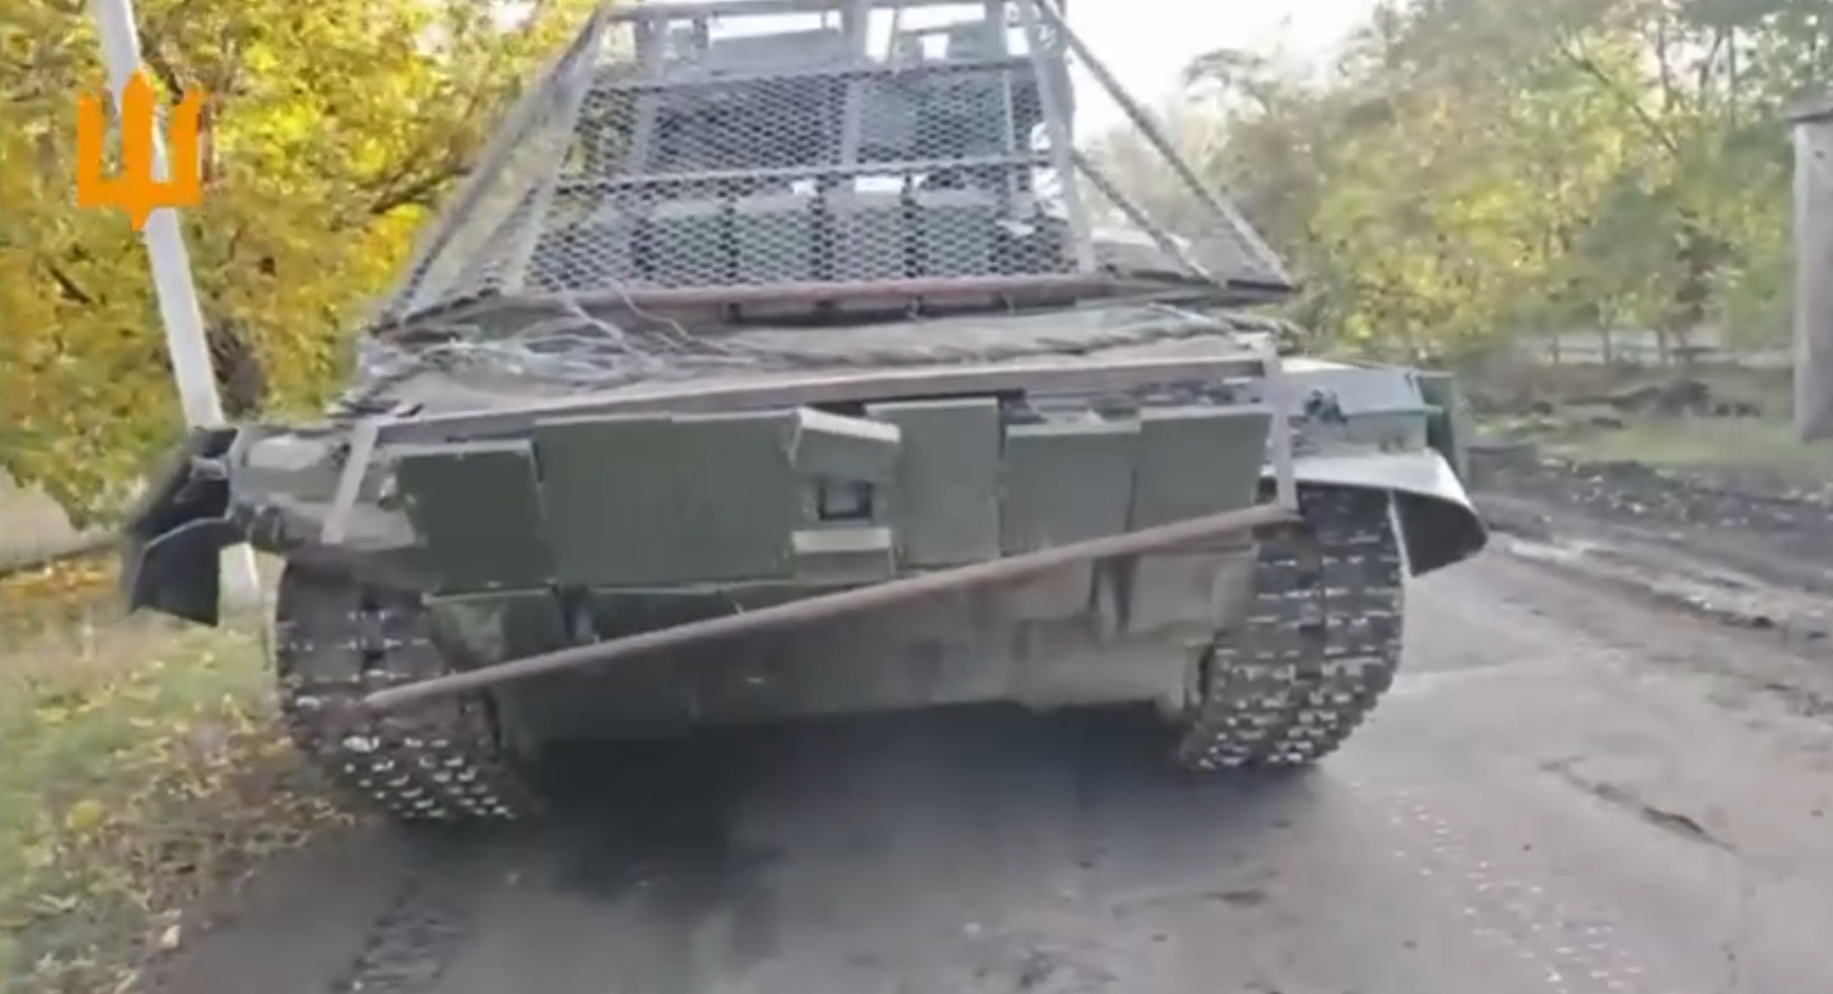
(787, 357)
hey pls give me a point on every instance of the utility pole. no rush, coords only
(192, 370)
(1813, 124)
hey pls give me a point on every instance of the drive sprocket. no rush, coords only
(1319, 645)
(439, 761)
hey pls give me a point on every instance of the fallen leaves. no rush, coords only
(144, 771)
(59, 581)
(84, 817)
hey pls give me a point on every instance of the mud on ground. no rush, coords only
(1706, 456)
(1737, 541)
(1760, 521)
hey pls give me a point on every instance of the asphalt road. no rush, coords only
(1570, 792)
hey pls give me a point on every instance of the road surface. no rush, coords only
(1571, 791)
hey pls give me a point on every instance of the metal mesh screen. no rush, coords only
(1814, 272)
(794, 151)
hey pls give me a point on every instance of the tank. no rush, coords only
(794, 357)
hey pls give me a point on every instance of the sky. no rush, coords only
(1146, 43)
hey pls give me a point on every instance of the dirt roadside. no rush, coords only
(1740, 546)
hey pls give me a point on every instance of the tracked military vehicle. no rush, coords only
(765, 371)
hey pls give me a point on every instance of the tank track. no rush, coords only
(336, 641)
(1318, 647)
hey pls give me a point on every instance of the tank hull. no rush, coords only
(415, 553)
(727, 323)
(975, 646)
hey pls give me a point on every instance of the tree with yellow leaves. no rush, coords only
(331, 129)
(1473, 171)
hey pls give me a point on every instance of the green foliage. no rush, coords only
(331, 128)
(1475, 169)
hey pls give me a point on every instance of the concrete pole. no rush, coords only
(192, 368)
(1813, 125)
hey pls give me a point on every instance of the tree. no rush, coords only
(1473, 169)
(331, 129)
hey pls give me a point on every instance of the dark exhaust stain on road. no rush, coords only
(410, 946)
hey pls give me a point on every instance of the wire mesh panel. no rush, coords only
(808, 151)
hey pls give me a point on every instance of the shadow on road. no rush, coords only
(865, 834)
(689, 817)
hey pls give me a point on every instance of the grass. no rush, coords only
(1704, 443)
(1683, 442)
(142, 773)
(1584, 424)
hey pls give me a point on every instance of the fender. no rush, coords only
(1439, 525)
(173, 538)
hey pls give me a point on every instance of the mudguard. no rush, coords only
(1439, 524)
(172, 542)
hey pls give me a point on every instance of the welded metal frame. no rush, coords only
(1142, 119)
(1050, 44)
(512, 130)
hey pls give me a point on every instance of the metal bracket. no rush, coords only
(350, 482)
(1276, 393)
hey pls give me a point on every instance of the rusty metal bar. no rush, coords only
(845, 602)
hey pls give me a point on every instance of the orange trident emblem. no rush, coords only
(138, 190)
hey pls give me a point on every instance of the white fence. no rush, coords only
(1644, 347)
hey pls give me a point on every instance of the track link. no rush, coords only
(1319, 645)
(438, 762)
